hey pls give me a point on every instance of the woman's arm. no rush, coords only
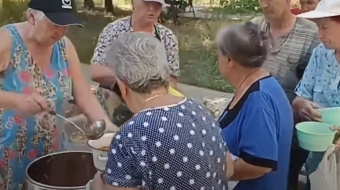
(85, 99)
(245, 171)
(8, 100)
(230, 165)
(26, 104)
(304, 89)
(103, 75)
(258, 145)
(171, 47)
(99, 71)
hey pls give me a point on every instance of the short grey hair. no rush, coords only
(139, 60)
(244, 43)
(39, 15)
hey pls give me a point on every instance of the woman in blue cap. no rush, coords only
(39, 71)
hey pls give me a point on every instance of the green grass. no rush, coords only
(196, 43)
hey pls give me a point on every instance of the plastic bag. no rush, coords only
(327, 176)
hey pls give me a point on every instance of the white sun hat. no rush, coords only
(324, 9)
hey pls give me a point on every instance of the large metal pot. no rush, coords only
(68, 170)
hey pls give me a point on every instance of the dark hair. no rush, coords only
(244, 43)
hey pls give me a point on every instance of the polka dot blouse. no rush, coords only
(178, 147)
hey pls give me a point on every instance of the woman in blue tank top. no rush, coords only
(39, 70)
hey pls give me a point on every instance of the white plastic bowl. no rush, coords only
(100, 156)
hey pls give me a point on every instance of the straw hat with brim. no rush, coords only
(324, 9)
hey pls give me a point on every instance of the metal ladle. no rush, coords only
(93, 131)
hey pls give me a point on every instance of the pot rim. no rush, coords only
(88, 144)
(29, 179)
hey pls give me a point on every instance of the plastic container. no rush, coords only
(100, 149)
(174, 92)
(330, 115)
(314, 136)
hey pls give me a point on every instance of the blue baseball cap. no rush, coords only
(60, 12)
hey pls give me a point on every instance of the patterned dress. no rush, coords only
(23, 139)
(177, 147)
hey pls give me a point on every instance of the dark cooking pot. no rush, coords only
(60, 171)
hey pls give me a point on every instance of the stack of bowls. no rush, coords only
(318, 136)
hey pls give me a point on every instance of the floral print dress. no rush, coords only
(23, 139)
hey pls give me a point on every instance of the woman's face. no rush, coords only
(46, 32)
(273, 9)
(148, 10)
(308, 5)
(329, 32)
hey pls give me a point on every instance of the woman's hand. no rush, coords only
(98, 183)
(230, 165)
(31, 104)
(307, 109)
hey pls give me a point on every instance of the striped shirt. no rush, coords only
(289, 51)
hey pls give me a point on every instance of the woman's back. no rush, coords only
(174, 147)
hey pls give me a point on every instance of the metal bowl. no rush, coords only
(61, 171)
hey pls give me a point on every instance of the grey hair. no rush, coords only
(139, 60)
(244, 43)
(38, 15)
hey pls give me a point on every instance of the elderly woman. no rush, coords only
(308, 5)
(39, 70)
(319, 86)
(144, 18)
(171, 142)
(258, 123)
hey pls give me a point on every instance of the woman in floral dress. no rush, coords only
(36, 61)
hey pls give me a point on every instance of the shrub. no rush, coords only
(239, 6)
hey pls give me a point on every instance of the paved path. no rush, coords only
(201, 13)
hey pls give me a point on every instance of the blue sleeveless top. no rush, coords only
(23, 139)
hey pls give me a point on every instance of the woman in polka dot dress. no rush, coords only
(171, 142)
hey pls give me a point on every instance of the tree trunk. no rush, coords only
(109, 6)
(89, 4)
(74, 5)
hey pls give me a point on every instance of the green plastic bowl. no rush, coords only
(314, 136)
(330, 115)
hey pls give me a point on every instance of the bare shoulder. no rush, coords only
(5, 47)
(5, 40)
